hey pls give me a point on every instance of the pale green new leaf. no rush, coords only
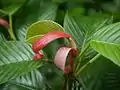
(38, 29)
(109, 50)
(15, 60)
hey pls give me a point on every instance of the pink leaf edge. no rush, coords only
(61, 57)
(45, 40)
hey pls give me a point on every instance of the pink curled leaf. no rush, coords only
(46, 39)
(4, 23)
(61, 57)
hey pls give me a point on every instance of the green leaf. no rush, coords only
(14, 87)
(15, 60)
(34, 10)
(14, 70)
(81, 28)
(38, 29)
(2, 38)
(42, 79)
(109, 33)
(9, 7)
(32, 80)
(53, 77)
(96, 73)
(109, 50)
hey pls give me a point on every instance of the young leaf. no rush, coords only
(46, 39)
(38, 29)
(61, 58)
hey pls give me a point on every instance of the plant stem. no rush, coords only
(80, 57)
(11, 28)
(83, 50)
(84, 66)
(94, 58)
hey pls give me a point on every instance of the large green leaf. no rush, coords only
(14, 70)
(48, 76)
(109, 50)
(109, 33)
(81, 28)
(100, 75)
(34, 10)
(15, 60)
(32, 80)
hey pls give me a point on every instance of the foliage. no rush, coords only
(94, 26)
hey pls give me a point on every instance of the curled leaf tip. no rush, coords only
(61, 57)
(38, 56)
(74, 52)
(4, 23)
(64, 56)
(46, 39)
